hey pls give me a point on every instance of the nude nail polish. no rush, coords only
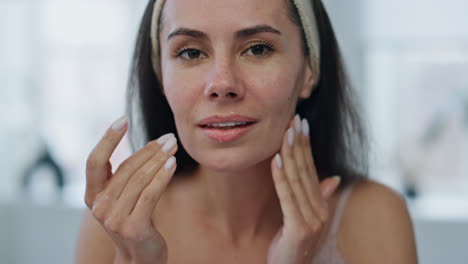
(305, 127)
(279, 163)
(169, 145)
(170, 163)
(119, 123)
(290, 136)
(162, 139)
(297, 123)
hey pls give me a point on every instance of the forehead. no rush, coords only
(223, 14)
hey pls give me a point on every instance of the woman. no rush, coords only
(255, 94)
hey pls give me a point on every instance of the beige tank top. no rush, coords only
(329, 252)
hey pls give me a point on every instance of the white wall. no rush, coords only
(403, 20)
(347, 18)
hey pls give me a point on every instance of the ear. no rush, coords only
(309, 80)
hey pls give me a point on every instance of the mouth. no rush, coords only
(226, 128)
(227, 125)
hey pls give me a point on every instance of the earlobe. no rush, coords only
(309, 81)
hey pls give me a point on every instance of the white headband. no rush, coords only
(306, 14)
(137, 134)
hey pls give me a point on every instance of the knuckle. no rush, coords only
(295, 180)
(99, 211)
(126, 165)
(161, 159)
(290, 154)
(315, 226)
(324, 215)
(153, 146)
(88, 200)
(92, 162)
(139, 180)
(143, 179)
(114, 224)
(301, 166)
(134, 233)
(148, 198)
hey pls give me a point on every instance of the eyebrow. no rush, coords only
(243, 33)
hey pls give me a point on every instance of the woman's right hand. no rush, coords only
(123, 202)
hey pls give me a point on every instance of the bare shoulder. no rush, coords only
(376, 226)
(93, 243)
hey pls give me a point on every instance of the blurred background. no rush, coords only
(63, 71)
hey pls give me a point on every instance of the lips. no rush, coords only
(227, 119)
(225, 129)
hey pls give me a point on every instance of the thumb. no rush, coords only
(329, 186)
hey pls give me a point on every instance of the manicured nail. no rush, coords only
(305, 127)
(170, 163)
(278, 161)
(169, 145)
(331, 189)
(297, 123)
(162, 139)
(290, 136)
(120, 123)
(337, 178)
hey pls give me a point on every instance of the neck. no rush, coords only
(238, 206)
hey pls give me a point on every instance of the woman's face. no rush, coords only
(218, 71)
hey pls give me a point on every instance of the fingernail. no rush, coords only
(169, 163)
(305, 127)
(162, 139)
(297, 123)
(337, 178)
(279, 163)
(290, 136)
(119, 123)
(169, 144)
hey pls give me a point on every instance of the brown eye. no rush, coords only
(192, 54)
(260, 49)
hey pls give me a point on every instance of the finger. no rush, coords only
(132, 164)
(304, 171)
(292, 175)
(311, 180)
(151, 195)
(283, 190)
(97, 168)
(143, 176)
(312, 185)
(329, 185)
(312, 205)
(305, 175)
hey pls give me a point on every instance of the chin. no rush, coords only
(230, 160)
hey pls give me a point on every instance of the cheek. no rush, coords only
(277, 90)
(179, 101)
(276, 96)
(179, 89)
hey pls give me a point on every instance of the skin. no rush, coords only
(227, 78)
(246, 207)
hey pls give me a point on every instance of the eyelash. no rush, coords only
(269, 47)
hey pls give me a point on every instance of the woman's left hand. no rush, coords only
(304, 201)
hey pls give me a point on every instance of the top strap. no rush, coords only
(340, 208)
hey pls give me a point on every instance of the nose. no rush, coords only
(223, 84)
